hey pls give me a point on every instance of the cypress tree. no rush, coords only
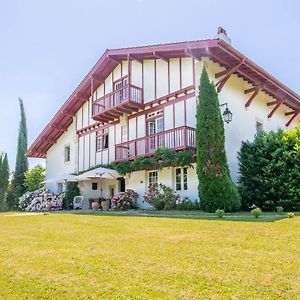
(216, 189)
(21, 160)
(4, 180)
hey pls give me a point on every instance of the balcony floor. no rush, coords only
(126, 107)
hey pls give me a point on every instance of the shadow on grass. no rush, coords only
(195, 215)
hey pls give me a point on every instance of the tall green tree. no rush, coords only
(216, 189)
(4, 179)
(21, 160)
(34, 179)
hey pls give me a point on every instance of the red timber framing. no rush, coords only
(216, 50)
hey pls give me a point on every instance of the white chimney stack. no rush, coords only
(222, 35)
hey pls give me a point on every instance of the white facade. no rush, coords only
(170, 88)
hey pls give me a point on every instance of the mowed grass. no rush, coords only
(65, 256)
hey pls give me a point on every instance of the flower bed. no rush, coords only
(41, 200)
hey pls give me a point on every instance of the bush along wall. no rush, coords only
(269, 170)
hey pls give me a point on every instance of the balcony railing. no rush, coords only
(178, 138)
(125, 100)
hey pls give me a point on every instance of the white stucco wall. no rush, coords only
(167, 76)
(55, 161)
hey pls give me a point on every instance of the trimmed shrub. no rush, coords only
(220, 213)
(269, 171)
(290, 215)
(256, 212)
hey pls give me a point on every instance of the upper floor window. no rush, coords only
(259, 127)
(153, 178)
(181, 179)
(67, 153)
(102, 139)
(124, 133)
(121, 90)
(155, 122)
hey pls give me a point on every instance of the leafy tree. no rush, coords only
(21, 160)
(34, 179)
(269, 170)
(4, 179)
(216, 189)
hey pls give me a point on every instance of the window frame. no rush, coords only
(67, 154)
(181, 179)
(155, 181)
(102, 140)
(94, 186)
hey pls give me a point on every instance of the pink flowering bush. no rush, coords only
(161, 197)
(124, 201)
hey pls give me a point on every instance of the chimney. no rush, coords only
(223, 35)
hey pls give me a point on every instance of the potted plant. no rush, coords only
(105, 203)
(95, 205)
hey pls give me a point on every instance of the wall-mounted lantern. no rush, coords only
(227, 114)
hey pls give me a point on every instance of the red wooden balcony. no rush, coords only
(178, 138)
(125, 100)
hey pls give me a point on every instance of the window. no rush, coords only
(67, 153)
(155, 124)
(102, 139)
(181, 179)
(94, 186)
(124, 133)
(121, 90)
(153, 176)
(121, 184)
(259, 127)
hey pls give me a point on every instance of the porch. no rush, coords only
(179, 138)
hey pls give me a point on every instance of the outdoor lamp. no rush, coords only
(227, 114)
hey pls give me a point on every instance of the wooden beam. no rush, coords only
(117, 60)
(49, 140)
(158, 55)
(229, 71)
(273, 110)
(290, 112)
(291, 119)
(97, 79)
(251, 90)
(272, 103)
(58, 127)
(81, 97)
(226, 73)
(131, 56)
(249, 101)
(68, 113)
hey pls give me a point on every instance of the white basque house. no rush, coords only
(135, 100)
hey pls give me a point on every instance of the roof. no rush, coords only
(215, 49)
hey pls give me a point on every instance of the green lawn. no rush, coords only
(70, 256)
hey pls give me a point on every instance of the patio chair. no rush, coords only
(77, 202)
